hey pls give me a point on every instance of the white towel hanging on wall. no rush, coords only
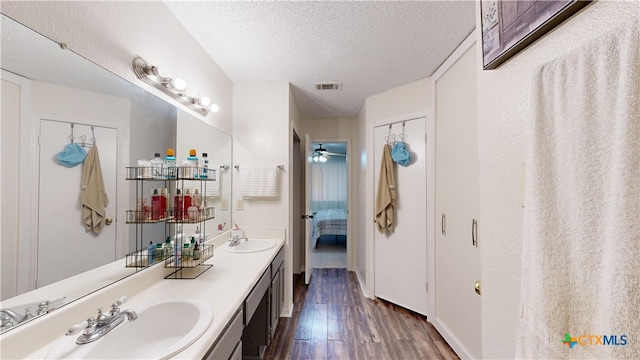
(258, 181)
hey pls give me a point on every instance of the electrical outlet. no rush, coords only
(240, 204)
(225, 204)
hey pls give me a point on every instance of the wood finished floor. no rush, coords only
(333, 320)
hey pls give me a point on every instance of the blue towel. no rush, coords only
(400, 155)
(72, 155)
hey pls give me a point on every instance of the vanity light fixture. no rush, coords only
(174, 87)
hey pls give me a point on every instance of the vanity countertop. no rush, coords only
(224, 287)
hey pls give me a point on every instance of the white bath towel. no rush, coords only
(258, 181)
(581, 231)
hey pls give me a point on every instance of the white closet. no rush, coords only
(457, 253)
(401, 256)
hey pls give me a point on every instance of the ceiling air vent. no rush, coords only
(328, 86)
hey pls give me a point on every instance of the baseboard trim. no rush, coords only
(452, 340)
(363, 287)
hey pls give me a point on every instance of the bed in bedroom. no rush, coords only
(328, 222)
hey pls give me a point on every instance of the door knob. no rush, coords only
(478, 287)
(108, 221)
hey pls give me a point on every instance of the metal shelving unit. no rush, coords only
(144, 214)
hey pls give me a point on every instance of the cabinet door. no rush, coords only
(276, 286)
(227, 346)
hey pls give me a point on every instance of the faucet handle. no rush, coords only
(120, 301)
(75, 329)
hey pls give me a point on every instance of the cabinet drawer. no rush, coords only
(254, 298)
(277, 261)
(229, 339)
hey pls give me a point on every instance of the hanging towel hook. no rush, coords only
(71, 137)
(93, 138)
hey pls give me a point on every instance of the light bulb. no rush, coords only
(178, 84)
(316, 158)
(214, 108)
(204, 101)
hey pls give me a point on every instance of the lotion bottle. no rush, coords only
(178, 207)
(156, 205)
(186, 203)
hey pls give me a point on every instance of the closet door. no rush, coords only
(401, 256)
(458, 312)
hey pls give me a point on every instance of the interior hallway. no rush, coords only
(333, 320)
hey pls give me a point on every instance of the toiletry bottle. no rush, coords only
(168, 248)
(196, 251)
(205, 167)
(186, 203)
(159, 252)
(177, 253)
(178, 207)
(196, 235)
(164, 195)
(196, 199)
(194, 162)
(171, 164)
(186, 252)
(151, 253)
(177, 245)
(156, 206)
(158, 167)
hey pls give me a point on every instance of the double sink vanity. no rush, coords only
(228, 312)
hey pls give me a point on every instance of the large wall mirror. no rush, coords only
(52, 97)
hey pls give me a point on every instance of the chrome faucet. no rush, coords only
(236, 240)
(95, 328)
(17, 318)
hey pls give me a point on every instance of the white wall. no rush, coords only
(263, 136)
(112, 33)
(504, 96)
(409, 99)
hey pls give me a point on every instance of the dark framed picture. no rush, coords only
(510, 26)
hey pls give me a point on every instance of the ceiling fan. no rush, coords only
(322, 155)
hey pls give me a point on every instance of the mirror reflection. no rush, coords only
(55, 102)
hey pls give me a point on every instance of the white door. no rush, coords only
(400, 259)
(457, 267)
(64, 247)
(308, 211)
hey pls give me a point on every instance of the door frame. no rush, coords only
(28, 200)
(451, 339)
(350, 220)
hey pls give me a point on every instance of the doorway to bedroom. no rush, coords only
(329, 200)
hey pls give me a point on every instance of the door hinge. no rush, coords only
(427, 286)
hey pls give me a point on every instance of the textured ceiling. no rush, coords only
(370, 47)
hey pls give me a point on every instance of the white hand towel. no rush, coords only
(258, 181)
(581, 240)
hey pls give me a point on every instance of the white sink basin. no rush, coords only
(249, 246)
(163, 329)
